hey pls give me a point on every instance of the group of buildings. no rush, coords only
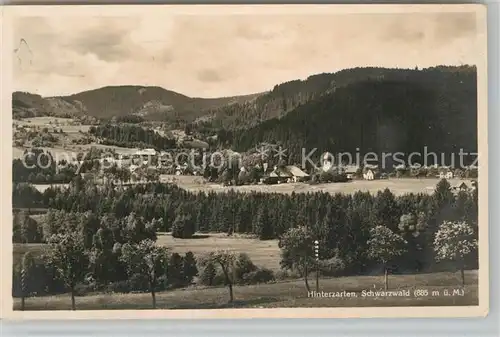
(153, 159)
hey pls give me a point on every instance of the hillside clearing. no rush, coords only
(281, 294)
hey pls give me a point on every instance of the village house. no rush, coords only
(109, 160)
(297, 174)
(463, 187)
(145, 152)
(281, 174)
(181, 169)
(371, 173)
(351, 171)
(445, 173)
(290, 173)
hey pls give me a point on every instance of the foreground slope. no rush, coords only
(281, 295)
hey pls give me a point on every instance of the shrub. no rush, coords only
(339, 178)
(162, 283)
(219, 278)
(207, 274)
(332, 267)
(189, 268)
(281, 275)
(25, 229)
(175, 270)
(182, 227)
(41, 280)
(119, 287)
(325, 177)
(83, 289)
(261, 275)
(244, 265)
(138, 282)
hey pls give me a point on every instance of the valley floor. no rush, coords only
(398, 186)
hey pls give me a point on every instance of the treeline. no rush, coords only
(341, 222)
(435, 108)
(129, 135)
(132, 119)
(39, 167)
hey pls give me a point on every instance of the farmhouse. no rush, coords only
(371, 173)
(290, 173)
(146, 152)
(463, 187)
(445, 173)
(181, 169)
(281, 173)
(351, 171)
(297, 174)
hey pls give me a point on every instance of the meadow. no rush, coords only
(398, 186)
(282, 294)
(264, 253)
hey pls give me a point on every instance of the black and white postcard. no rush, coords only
(244, 161)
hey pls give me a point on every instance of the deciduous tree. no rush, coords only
(225, 259)
(146, 258)
(297, 250)
(383, 246)
(454, 241)
(67, 255)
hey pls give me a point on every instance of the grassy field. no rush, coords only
(264, 254)
(397, 186)
(282, 294)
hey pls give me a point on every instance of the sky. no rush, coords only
(227, 55)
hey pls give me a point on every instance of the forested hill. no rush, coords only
(287, 96)
(401, 111)
(151, 103)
